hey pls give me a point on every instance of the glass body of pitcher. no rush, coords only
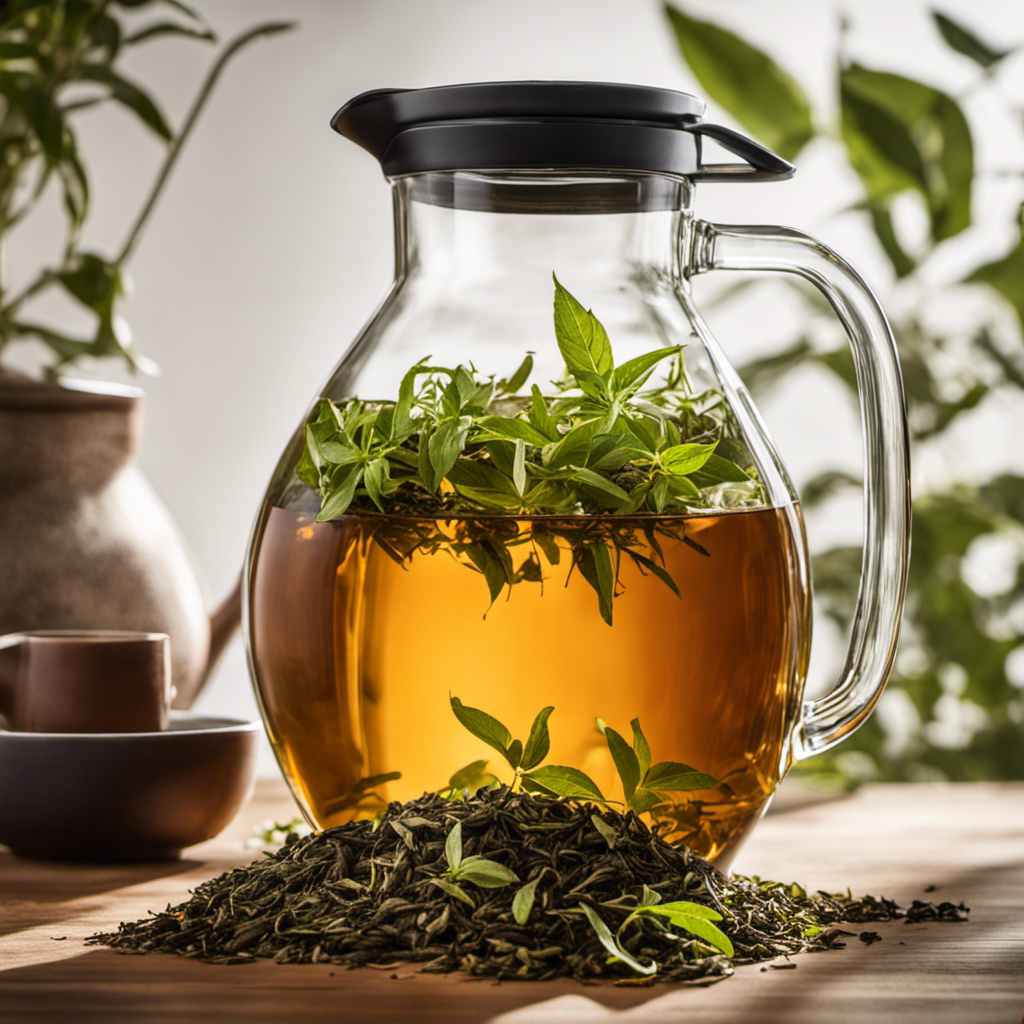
(433, 531)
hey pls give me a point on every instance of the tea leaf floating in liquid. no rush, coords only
(605, 445)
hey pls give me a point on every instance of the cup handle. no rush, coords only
(876, 623)
(10, 656)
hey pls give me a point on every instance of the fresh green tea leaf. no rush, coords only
(402, 423)
(631, 374)
(696, 920)
(644, 429)
(660, 492)
(540, 418)
(670, 776)
(470, 476)
(338, 453)
(616, 496)
(573, 449)
(522, 902)
(680, 487)
(514, 754)
(717, 470)
(483, 726)
(374, 478)
(312, 450)
(641, 748)
(453, 847)
(470, 777)
(564, 781)
(682, 459)
(446, 444)
(610, 452)
(488, 874)
(626, 763)
(430, 480)
(689, 908)
(581, 338)
(519, 468)
(453, 889)
(338, 500)
(509, 429)
(519, 378)
(644, 800)
(608, 941)
(539, 742)
(467, 386)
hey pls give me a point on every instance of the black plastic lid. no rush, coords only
(557, 125)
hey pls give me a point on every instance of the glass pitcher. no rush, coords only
(668, 581)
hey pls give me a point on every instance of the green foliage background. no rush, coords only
(58, 60)
(903, 136)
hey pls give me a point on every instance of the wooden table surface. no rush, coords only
(966, 839)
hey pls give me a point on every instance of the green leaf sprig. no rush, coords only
(691, 917)
(644, 785)
(468, 780)
(455, 444)
(475, 870)
(601, 445)
(525, 759)
(58, 60)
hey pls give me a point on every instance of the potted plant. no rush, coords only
(84, 541)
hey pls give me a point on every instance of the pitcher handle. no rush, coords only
(876, 623)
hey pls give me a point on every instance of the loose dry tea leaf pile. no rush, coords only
(506, 885)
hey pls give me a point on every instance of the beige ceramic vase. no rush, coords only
(84, 541)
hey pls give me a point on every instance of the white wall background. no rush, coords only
(272, 243)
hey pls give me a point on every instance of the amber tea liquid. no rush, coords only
(355, 656)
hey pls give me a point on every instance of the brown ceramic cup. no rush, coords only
(85, 681)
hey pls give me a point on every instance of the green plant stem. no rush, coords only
(174, 151)
(47, 277)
